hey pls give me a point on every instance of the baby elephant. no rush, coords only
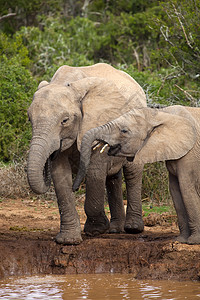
(147, 135)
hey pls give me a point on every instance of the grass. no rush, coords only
(148, 208)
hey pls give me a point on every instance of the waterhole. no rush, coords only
(95, 287)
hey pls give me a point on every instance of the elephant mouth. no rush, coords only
(114, 150)
(55, 154)
(130, 158)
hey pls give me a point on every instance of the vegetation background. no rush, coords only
(156, 42)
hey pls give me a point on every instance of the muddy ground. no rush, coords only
(28, 228)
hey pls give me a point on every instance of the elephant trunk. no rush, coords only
(100, 133)
(39, 166)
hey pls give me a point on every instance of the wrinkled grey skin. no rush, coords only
(76, 100)
(148, 135)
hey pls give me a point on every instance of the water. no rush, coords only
(95, 287)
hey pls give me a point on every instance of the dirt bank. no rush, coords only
(28, 227)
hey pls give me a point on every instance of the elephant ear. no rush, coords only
(101, 102)
(171, 137)
(42, 84)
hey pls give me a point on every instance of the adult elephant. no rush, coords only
(76, 100)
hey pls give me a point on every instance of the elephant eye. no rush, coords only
(64, 121)
(124, 130)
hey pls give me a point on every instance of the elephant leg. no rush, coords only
(189, 187)
(70, 229)
(115, 200)
(97, 221)
(180, 208)
(133, 177)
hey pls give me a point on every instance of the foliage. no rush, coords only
(26, 12)
(157, 43)
(136, 41)
(60, 43)
(179, 46)
(182, 34)
(10, 48)
(124, 39)
(163, 87)
(117, 6)
(17, 86)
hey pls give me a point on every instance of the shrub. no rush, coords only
(60, 43)
(17, 88)
(165, 86)
(14, 183)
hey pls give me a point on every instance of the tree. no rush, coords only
(178, 48)
(26, 12)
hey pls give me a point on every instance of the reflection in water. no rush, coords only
(95, 287)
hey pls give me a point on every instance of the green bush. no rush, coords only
(17, 88)
(117, 6)
(178, 48)
(165, 86)
(26, 12)
(60, 43)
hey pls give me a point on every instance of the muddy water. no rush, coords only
(95, 287)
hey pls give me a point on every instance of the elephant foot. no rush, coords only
(96, 225)
(194, 239)
(182, 239)
(116, 226)
(69, 237)
(137, 226)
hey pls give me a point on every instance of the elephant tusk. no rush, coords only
(104, 147)
(97, 146)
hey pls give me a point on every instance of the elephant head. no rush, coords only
(64, 109)
(144, 135)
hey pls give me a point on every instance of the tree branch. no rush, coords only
(188, 96)
(184, 32)
(7, 16)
